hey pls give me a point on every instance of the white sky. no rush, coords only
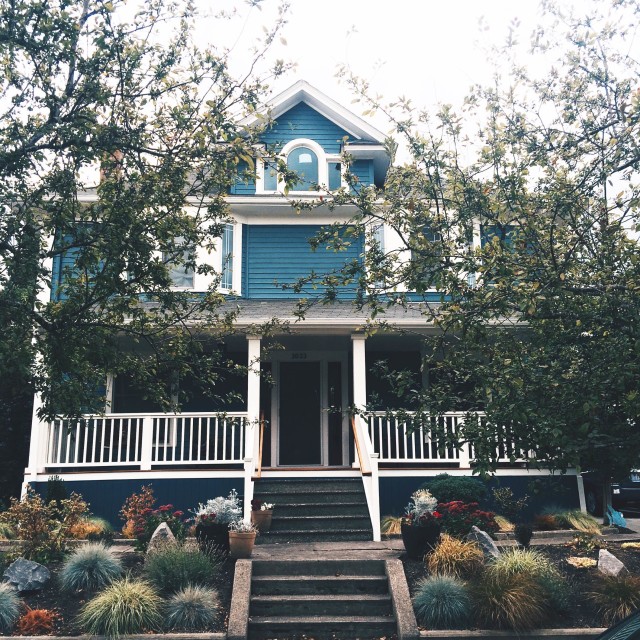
(426, 50)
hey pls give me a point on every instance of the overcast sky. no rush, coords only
(428, 51)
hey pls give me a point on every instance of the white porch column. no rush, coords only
(252, 432)
(37, 446)
(359, 370)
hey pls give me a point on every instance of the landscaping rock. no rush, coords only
(162, 537)
(25, 575)
(609, 564)
(484, 541)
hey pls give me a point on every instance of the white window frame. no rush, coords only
(323, 168)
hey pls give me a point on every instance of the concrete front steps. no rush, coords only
(320, 599)
(318, 509)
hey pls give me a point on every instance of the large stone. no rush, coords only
(25, 575)
(609, 564)
(162, 537)
(484, 541)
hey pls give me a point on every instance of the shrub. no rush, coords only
(124, 607)
(586, 542)
(177, 566)
(43, 528)
(193, 608)
(581, 563)
(90, 567)
(56, 491)
(133, 507)
(390, 525)
(37, 622)
(455, 558)
(530, 564)
(7, 532)
(574, 519)
(442, 602)
(523, 533)
(219, 510)
(509, 601)
(448, 488)
(9, 608)
(617, 597)
(507, 504)
(457, 518)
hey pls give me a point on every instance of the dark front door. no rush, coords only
(299, 420)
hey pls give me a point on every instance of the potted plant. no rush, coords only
(242, 537)
(213, 519)
(420, 527)
(261, 515)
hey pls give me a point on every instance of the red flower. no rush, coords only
(178, 514)
(165, 507)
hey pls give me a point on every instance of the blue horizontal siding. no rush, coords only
(282, 253)
(106, 497)
(242, 185)
(302, 121)
(363, 170)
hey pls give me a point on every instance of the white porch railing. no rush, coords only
(146, 440)
(419, 438)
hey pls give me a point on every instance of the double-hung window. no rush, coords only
(181, 272)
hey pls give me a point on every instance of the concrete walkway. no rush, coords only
(393, 547)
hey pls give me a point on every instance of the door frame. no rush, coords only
(323, 357)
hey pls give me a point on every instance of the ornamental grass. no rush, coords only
(455, 557)
(125, 607)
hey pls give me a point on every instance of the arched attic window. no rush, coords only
(304, 162)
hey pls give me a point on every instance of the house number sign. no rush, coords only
(298, 355)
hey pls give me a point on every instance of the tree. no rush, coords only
(92, 84)
(522, 210)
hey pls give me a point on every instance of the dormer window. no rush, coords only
(305, 163)
(309, 161)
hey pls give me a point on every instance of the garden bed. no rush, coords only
(581, 612)
(67, 605)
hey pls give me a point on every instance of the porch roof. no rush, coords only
(338, 314)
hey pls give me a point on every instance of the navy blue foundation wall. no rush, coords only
(106, 497)
(543, 491)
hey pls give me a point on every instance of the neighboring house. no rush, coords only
(324, 368)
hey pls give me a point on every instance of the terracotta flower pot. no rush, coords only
(262, 519)
(419, 541)
(213, 536)
(241, 544)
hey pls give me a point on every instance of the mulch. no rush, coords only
(67, 605)
(581, 612)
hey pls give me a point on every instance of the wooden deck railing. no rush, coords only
(118, 440)
(419, 438)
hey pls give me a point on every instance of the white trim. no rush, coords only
(160, 474)
(324, 358)
(429, 473)
(302, 91)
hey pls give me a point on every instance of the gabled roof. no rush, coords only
(302, 91)
(367, 142)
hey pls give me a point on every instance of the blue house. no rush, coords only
(299, 428)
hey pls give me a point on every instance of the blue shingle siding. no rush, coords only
(363, 170)
(282, 253)
(302, 121)
(243, 186)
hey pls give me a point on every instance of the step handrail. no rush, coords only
(365, 467)
(259, 471)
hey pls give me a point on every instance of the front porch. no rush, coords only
(302, 425)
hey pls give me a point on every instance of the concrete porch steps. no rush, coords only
(331, 509)
(320, 599)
